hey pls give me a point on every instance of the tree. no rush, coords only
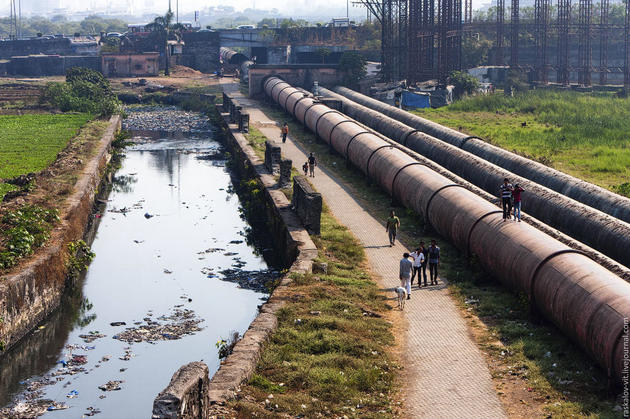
(323, 53)
(352, 65)
(463, 83)
(163, 25)
(475, 51)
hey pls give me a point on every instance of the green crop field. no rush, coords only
(29, 143)
(584, 134)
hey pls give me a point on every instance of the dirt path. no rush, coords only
(447, 373)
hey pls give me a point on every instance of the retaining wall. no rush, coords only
(296, 249)
(32, 293)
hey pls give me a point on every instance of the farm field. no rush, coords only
(582, 134)
(29, 143)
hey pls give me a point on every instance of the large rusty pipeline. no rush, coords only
(577, 189)
(584, 300)
(601, 231)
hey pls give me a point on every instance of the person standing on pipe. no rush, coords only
(393, 223)
(434, 261)
(506, 198)
(405, 274)
(516, 194)
(285, 132)
(311, 164)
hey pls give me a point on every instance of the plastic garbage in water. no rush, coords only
(72, 394)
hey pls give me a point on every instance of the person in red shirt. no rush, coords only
(285, 131)
(516, 194)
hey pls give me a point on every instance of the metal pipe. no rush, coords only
(601, 231)
(584, 300)
(580, 190)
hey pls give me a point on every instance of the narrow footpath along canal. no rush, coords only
(174, 272)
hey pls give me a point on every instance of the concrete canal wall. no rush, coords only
(295, 248)
(33, 292)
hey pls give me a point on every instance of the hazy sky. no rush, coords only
(297, 8)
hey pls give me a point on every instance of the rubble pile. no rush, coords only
(180, 323)
(166, 119)
(261, 281)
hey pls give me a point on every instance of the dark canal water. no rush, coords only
(170, 226)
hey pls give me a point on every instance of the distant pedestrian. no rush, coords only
(305, 168)
(418, 260)
(434, 261)
(405, 274)
(285, 132)
(425, 252)
(312, 162)
(516, 194)
(393, 223)
(506, 198)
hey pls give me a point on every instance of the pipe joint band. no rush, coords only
(468, 252)
(406, 137)
(320, 117)
(367, 165)
(352, 139)
(401, 169)
(333, 129)
(532, 279)
(287, 99)
(426, 210)
(296, 103)
(465, 140)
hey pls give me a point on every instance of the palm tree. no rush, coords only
(163, 25)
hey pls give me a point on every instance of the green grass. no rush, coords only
(327, 358)
(29, 143)
(583, 134)
(516, 345)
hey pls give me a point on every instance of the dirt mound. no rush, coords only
(183, 71)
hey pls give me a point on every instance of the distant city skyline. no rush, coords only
(296, 8)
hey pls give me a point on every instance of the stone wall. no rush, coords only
(201, 51)
(307, 204)
(32, 292)
(272, 156)
(186, 396)
(49, 65)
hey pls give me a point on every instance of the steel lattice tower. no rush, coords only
(403, 46)
(626, 42)
(427, 39)
(468, 11)
(584, 46)
(541, 15)
(514, 26)
(564, 17)
(603, 41)
(499, 41)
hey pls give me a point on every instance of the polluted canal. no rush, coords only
(174, 272)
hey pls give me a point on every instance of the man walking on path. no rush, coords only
(285, 132)
(506, 198)
(516, 194)
(393, 223)
(405, 274)
(311, 164)
(418, 260)
(434, 260)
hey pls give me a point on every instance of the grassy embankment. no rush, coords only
(582, 134)
(536, 370)
(29, 143)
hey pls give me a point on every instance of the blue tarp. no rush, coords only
(414, 100)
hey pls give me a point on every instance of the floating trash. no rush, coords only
(111, 385)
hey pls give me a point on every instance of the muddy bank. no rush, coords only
(30, 295)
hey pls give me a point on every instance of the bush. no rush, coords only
(463, 83)
(85, 90)
(352, 64)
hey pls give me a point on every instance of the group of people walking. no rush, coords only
(511, 197)
(415, 263)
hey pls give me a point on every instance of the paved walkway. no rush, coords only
(448, 375)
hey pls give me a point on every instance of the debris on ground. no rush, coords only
(26, 409)
(113, 385)
(169, 119)
(91, 336)
(127, 356)
(261, 281)
(181, 322)
(118, 324)
(91, 411)
(236, 242)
